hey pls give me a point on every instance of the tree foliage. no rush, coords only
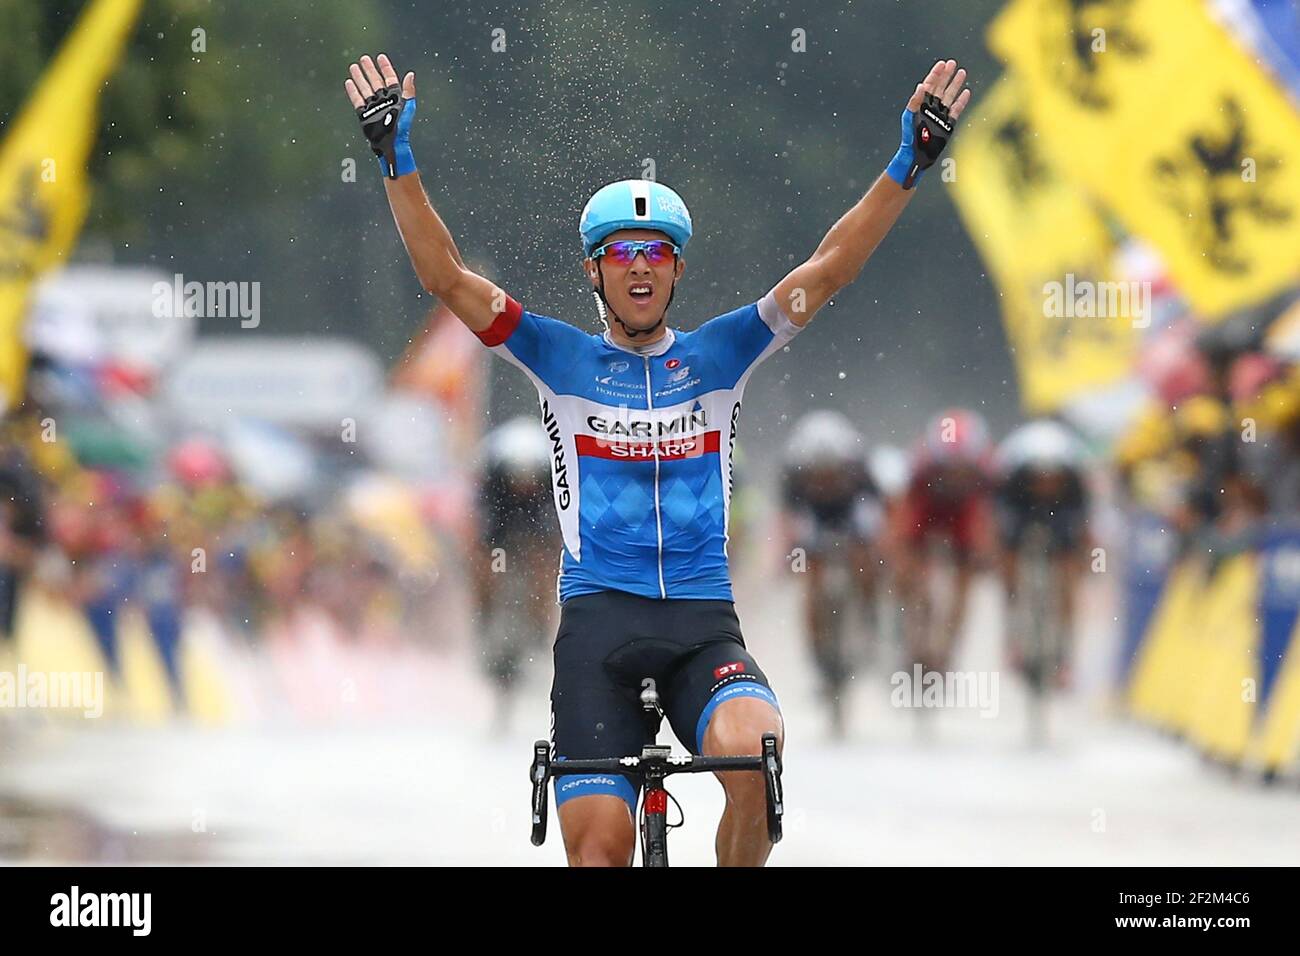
(227, 164)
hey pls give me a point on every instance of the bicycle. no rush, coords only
(1037, 627)
(509, 630)
(506, 632)
(832, 602)
(655, 763)
(844, 629)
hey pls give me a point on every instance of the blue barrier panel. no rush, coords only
(1150, 552)
(1279, 602)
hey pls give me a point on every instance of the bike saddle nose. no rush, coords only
(637, 660)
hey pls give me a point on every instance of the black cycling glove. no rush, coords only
(925, 134)
(386, 121)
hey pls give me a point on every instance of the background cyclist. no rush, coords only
(948, 502)
(834, 514)
(1042, 484)
(519, 539)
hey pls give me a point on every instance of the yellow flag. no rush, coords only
(1036, 231)
(43, 188)
(1156, 111)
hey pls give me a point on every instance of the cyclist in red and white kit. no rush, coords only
(948, 501)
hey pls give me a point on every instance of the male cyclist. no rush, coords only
(834, 512)
(948, 501)
(1041, 486)
(512, 572)
(641, 420)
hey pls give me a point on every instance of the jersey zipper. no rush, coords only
(654, 440)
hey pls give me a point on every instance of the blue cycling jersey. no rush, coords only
(642, 442)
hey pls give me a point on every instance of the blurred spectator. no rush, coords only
(21, 529)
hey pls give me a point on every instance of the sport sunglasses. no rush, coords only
(658, 252)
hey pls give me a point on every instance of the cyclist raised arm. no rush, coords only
(386, 111)
(928, 121)
(641, 420)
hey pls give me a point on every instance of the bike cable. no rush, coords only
(668, 827)
(680, 812)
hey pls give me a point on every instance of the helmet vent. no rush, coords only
(640, 207)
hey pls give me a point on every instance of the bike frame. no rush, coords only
(1037, 617)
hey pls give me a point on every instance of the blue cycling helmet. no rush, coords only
(634, 204)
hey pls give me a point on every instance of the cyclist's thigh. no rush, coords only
(718, 670)
(1066, 526)
(1013, 522)
(973, 530)
(592, 716)
(913, 568)
(862, 553)
(714, 675)
(1068, 541)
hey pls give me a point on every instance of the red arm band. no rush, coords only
(503, 325)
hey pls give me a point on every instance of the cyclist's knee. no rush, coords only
(736, 730)
(912, 569)
(597, 831)
(737, 727)
(600, 849)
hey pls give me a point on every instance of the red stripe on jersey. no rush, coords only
(503, 325)
(669, 449)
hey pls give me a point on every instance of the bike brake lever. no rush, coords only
(538, 773)
(772, 782)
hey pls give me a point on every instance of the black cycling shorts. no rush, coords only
(1065, 526)
(607, 644)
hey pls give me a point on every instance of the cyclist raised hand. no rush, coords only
(641, 420)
